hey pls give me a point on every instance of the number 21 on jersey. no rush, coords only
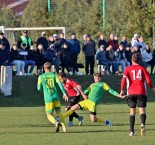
(138, 75)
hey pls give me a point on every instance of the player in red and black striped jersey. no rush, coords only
(73, 90)
(135, 78)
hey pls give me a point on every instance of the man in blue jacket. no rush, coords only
(75, 49)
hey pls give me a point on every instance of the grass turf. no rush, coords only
(23, 120)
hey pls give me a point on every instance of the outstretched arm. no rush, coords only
(80, 90)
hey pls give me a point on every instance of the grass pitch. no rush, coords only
(29, 126)
(23, 120)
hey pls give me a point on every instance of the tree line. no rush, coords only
(124, 17)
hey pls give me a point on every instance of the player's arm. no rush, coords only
(65, 96)
(39, 85)
(76, 85)
(123, 82)
(111, 91)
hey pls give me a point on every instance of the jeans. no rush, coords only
(114, 65)
(20, 66)
(122, 63)
(27, 63)
(106, 64)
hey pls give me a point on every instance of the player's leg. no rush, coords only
(49, 112)
(142, 101)
(132, 102)
(69, 112)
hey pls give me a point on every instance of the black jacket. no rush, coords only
(14, 55)
(6, 43)
(4, 56)
(43, 41)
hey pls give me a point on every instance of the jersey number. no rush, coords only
(138, 75)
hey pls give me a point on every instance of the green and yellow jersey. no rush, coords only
(47, 84)
(95, 91)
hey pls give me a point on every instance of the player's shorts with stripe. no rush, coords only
(51, 106)
(88, 105)
(72, 101)
(137, 100)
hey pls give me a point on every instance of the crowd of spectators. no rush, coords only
(114, 54)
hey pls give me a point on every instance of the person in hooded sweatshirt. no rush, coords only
(15, 60)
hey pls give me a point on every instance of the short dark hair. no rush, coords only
(135, 57)
(97, 74)
(47, 65)
(2, 33)
(61, 74)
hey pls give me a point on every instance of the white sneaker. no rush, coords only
(70, 73)
(131, 134)
(79, 73)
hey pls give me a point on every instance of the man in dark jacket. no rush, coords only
(102, 41)
(74, 47)
(89, 51)
(4, 56)
(5, 42)
(42, 40)
(51, 56)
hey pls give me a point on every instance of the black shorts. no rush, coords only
(72, 101)
(137, 100)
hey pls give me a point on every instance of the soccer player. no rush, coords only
(47, 84)
(135, 76)
(72, 88)
(95, 92)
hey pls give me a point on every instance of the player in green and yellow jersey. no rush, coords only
(95, 92)
(47, 84)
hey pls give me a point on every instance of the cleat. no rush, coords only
(57, 125)
(131, 134)
(63, 127)
(80, 118)
(142, 129)
(70, 123)
(108, 123)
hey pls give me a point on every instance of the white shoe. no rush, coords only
(142, 129)
(70, 73)
(131, 134)
(79, 73)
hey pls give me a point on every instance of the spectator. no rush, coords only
(116, 44)
(101, 57)
(124, 42)
(33, 55)
(89, 51)
(102, 41)
(111, 41)
(110, 55)
(85, 37)
(142, 43)
(23, 53)
(137, 49)
(148, 58)
(25, 39)
(43, 40)
(128, 54)
(4, 56)
(50, 40)
(15, 60)
(120, 58)
(5, 42)
(135, 41)
(51, 56)
(62, 39)
(67, 61)
(41, 60)
(74, 47)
